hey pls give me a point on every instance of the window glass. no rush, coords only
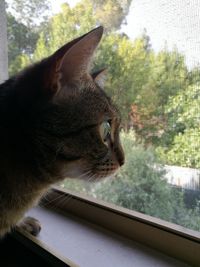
(152, 51)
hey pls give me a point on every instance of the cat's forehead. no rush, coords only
(88, 103)
(97, 102)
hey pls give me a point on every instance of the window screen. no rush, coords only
(152, 51)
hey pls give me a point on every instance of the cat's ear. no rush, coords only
(53, 64)
(75, 63)
(100, 77)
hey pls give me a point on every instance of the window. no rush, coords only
(152, 52)
(154, 79)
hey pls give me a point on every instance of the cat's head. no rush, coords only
(65, 110)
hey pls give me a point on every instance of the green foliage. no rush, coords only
(136, 75)
(27, 15)
(21, 62)
(23, 30)
(167, 76)
(63, 27)
(184, 119)
(111, 13)
(184, 107)
(184, 150)
(73, 22)
(29, 11)
(21, 44)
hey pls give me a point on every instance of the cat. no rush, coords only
(55, 121)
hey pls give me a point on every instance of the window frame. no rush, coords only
(3, 43)
(171, 239)
(41, 249)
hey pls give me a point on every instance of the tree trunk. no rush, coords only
(3, 43)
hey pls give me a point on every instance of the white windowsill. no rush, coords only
(89, 245)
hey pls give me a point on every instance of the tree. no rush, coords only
(65, 26)
(23, 31)
(183, 111)
(29, 12)
(111, 13)
(21, 43)
(167, 76)
(139, 80)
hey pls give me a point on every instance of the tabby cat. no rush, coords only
(55, 121)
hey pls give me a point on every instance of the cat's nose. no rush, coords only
(121, 160)
(120, 155)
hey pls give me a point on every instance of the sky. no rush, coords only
(175, 22)
(56, 4)
(172, 22)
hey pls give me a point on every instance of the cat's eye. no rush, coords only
(105, 130)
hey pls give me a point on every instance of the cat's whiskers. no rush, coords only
(91, 178)
(56, 202)
(84, 174)
(47, 202)
(61, 198)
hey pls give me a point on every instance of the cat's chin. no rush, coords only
(78, 170)
(74, 169)
(109, 175)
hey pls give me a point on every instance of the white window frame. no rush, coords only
(170, 239)
(3, 43)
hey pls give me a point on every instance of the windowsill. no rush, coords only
(89, 245)
(82, 231)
